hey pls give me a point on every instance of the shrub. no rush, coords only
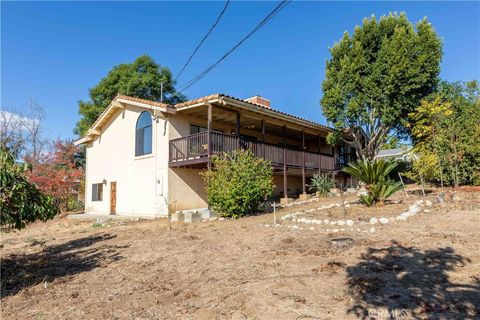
(238, 183)
(21, 202)
(321, 183)
(375, 176)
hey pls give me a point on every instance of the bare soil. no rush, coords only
(427, 267)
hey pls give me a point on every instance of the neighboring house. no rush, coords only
(394, 154)
(143, 156)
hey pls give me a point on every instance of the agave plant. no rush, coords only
(321, 183)
(375, 176)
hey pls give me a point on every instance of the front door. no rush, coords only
(113, 197)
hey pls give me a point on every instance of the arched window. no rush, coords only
(143, 134)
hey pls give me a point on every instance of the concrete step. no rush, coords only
(193, 215)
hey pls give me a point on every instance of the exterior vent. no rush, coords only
(260, 101)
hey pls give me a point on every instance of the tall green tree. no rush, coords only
(376, 77)
(446, 135)
(141, 79)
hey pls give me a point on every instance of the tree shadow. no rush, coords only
(21, 271)
(400, 282)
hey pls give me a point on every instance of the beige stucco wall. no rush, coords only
(186, 189)
(141, 181)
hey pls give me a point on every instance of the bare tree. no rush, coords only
(34, 129)
(12, 132)
(21, 131)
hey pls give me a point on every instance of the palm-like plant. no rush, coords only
(375, 176)
(370, 172)
(321, 183)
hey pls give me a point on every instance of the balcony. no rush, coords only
(193, 150)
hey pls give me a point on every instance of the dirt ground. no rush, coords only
(427, 267)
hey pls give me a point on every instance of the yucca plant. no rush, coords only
(321, 183)
(375, 176)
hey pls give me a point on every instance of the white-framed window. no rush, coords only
(143, 134)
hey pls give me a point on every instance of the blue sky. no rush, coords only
(55, 51)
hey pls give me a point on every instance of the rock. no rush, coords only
(372, 230)
(335, 230)
(221, 219)
(362, 193)
(340, 222)
(312, 228)
(342, 243)
(373, 220)
(326, 221)
(426, 210)
(349, 223)
(428, 203)
(334, 191)
(405, 215)
(318, 221)
(295, 227)
(441, 197)
(384, 220)
(287, 217)
(413, 209)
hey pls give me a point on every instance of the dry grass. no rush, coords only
(68, 269)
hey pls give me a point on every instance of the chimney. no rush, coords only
(260, 101)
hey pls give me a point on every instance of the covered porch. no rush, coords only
(293, 149)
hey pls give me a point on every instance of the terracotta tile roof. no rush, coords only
(219, 95)
(198, 100)
(153, 103)
(204, 99)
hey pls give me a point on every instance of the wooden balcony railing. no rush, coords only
(195, 146)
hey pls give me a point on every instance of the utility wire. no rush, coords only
(194, 80)
(203, 40)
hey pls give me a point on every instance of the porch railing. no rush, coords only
(195, 146)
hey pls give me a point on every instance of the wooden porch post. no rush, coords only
(319, 155)
(209, 135)
(285, 189)
(303, 162)
(237, 130)
(262, 123)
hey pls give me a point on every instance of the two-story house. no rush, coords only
(143, 156)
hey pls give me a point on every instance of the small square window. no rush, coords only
(97, 191)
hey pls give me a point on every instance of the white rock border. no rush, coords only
(412, 211)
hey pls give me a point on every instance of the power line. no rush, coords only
(203, 40)
(194, 80)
